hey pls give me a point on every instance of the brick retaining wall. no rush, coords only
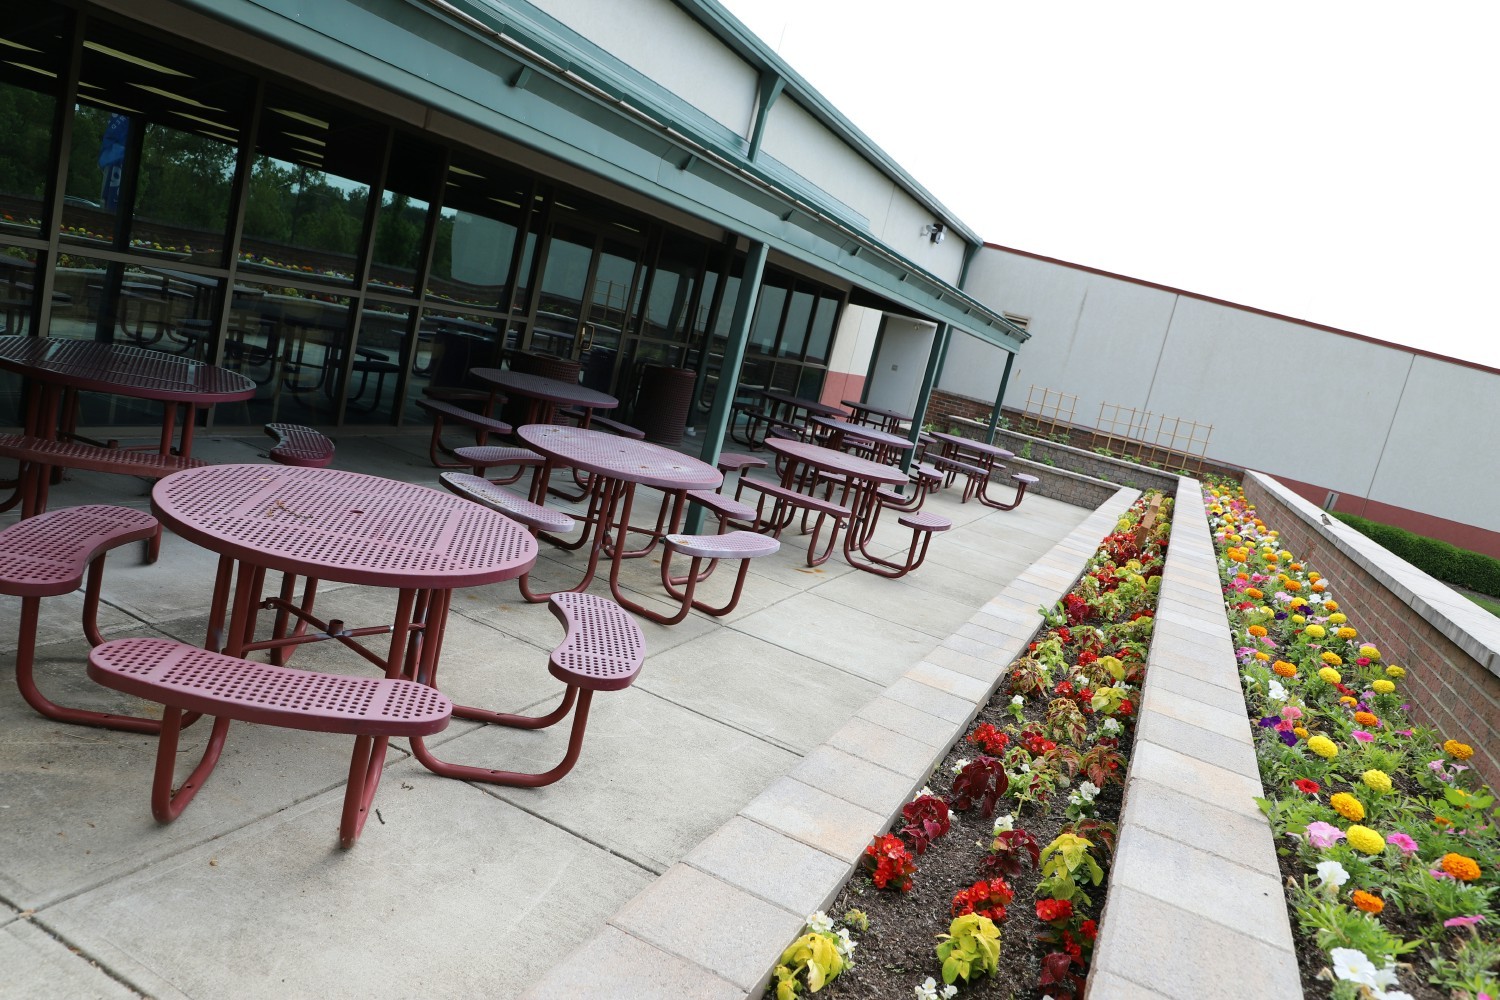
(1449, 645)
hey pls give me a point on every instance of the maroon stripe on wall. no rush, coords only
(1465, 536)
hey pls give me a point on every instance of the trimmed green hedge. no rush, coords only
(1448, 563)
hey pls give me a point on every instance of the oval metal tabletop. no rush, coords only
(864, 432)
(549, 389)
(334, 525)
(836, 461)
(620, 458)
(122, 370)
(978, 447)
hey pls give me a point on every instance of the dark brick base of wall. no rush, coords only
(1449, 690)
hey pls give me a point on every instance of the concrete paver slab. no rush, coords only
(614, 965)
(36, 964)
(773, 866)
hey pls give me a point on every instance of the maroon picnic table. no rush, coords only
(841, 433)
(545, 394)
(782, 409)
(63, 368)
(864, 478)
(988, 458)
(878, 416)
(327, 524)
(615, 467)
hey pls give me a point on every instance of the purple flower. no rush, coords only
(1290, 739)
(1270, 721)
(1281, 616)
(1322, 835)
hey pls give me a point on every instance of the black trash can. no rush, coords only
(666, 397)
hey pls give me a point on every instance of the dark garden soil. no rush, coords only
(897, 953)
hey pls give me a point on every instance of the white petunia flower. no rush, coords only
(1004, 823)
(1276, 692)
(960, 764)
(820, 923)
(1332, 873)
(1351, 965)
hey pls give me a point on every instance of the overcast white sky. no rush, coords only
(1333, 161)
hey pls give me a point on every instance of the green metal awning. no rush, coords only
(510, 69)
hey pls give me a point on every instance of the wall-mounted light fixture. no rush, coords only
(934, 231)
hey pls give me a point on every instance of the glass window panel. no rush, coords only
(25, 156)
(96, 171)
(292, 344)
(821, 336)
(309, 190)
(380, 358)
(794, 330)
(476, 234)
(182, 195)
(449, 345)
(767, 318)
(17, 282)
(810, 382)
(401, 224)
(80, 285)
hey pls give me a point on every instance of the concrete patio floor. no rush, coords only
(455, 889)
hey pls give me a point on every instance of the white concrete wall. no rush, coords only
(854, 340)
(797, 139)
(658, 39)
(897, 378)
(1283, 397)
(973, 367)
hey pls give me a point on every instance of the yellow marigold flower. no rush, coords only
(1259, 631)
(1347, 633)
(1337, 619)
(1462, 868)
(1367, 902)
(1315, 631)
(1457, 750)
(1377, 780)
(1263, 657)
(1383, 687)
(1285, 554)
(1331, 658)
(1315, 576)
(1235, 539)
(1319, 587)
(1285, 669)
(1323, 747)
(1366, 719)
(1293, 585)
(1395, 671)
(1298, 619)
(1300, 733)
(1369, 652)
(1330, 675)
(1347, 806)
(1346, 699)
(1331, 605)
(1364, 840)
(1254, 593)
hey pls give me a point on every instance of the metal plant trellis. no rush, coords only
(1046, 409)
(1153, 438)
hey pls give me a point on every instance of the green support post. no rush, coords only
(935, 358)
(1010, 359)
(729, 369)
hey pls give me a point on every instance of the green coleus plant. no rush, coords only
(971, 947)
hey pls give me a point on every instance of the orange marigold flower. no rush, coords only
(1262, 657)
(1242, 577)
(1366, 719)
(1284, 669)
(1462, 868)
(1457, 750)
(1367, 902)
(1319, 587)
(1295, 567)
(1293, 585)
(1259, 631)
(1348, 700)
(1254, 593)
(1441, 821)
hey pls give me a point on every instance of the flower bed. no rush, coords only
(991, 881)
(1387, 840)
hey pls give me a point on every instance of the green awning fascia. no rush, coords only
(483, 73)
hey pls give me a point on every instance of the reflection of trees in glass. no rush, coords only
(85, 179)
(294, 204)
(185, 178)
(26, 124)
(398, 233)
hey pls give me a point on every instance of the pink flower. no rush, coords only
(1404, 732)
(1362, 736)
(1439, 873)
(1462, 921)
(1363, 661)
(1321, 835)
(1291, 712)
(1401, 840)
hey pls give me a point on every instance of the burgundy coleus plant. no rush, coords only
(927, 819)
(981, 781)
(1009, 851)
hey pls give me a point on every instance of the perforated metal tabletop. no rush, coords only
(977, 447)
(329, 524)
(836, 461)
(620, 458)
(864, 432)
(122, 371)
(550, 390)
